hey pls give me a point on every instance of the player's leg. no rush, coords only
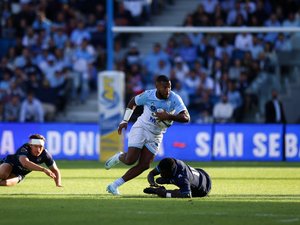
(146, 158)
(10, 181)
(131, 156)
(136, 141)
(5, 170)
(6, 177)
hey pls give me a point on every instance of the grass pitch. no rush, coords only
(242, 193)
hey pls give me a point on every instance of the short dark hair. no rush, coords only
(162, 78)
(167, 164)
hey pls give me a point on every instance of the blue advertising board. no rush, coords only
(249, 142)
(191, 142)
(292, 143)
(64, 140)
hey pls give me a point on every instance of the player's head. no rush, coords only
(37, 143)
(163, 87)
(167, 167)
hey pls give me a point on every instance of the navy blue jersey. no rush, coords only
(191, 181)
(25, 150)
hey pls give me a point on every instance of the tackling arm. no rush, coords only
(163, 193)
(56, 171)
(32, 166)
(151, 176)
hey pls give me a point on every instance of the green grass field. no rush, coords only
(242, 193)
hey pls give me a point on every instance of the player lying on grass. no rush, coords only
(14, 168)
(191, 182)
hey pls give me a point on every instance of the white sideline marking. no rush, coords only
(291, 220)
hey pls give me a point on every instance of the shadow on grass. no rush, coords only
(145, 210)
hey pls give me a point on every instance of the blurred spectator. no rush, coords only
(80, 33)
(4, 86)
(12, 109)
(181, 91)
(188, 51)
(274, 112)
(282, 43)
(243, 42)
(136, 10)
(181, 69)
(223, 110)
(234, 97)
(234, 12)
(236, 69)
(151, 61)
(133, 55)
(1, 111)
(31, 109)
(272, 22)
(209, 6)
(163, 68)
(257, 47)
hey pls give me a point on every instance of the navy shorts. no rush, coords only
(204, 190)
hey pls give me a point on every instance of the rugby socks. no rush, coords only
(118, 182)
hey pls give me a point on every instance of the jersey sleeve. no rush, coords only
(47, 158)
(24, 150)
(179, 105)
(142, 98)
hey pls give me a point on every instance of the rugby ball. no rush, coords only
(165, 123)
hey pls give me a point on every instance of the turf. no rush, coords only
(242, 193)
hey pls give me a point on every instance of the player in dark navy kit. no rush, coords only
(191, 182)
(15, 167)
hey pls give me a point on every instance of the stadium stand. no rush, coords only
(55, 49)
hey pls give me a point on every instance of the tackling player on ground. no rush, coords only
(146, 134)
(191, 182)
(14, 168)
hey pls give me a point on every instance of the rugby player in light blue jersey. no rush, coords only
(161, 107)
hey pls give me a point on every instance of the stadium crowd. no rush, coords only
(52, 50)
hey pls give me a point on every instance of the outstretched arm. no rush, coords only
(56, 171)
(162, 192)
(33, 166)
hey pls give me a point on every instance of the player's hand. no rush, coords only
(162, 115)
(161, 191)
(49, 173)
(150, 190)
(154, 184)
(153, 190)
(122, 125)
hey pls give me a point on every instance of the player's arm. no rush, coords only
(182, 117)
(128, 113)
(172, 194)
(164, 193)
(56, 171)
(25, 162)
(151, 176)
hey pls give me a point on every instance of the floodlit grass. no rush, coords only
(242, 193)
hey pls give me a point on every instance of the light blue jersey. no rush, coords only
(151, 103)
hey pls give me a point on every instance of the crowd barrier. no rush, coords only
(190, 142)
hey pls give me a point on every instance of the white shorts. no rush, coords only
(139, 137)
